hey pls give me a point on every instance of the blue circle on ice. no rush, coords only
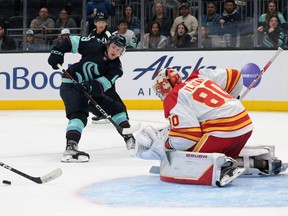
(150, 191)
(249, 73)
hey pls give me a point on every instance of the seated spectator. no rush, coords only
(211, 20)
(64, 21)
(190, 21)
(33, 43)
(206, 42)
(154, 39)
(164, 21)
(6, 43)
(181, 38)
(273, 36)
(133, 21)
(94, 6)
(101, 26)
(272, 10)
(43, 21)
(131, 40)
(64, 34)
(230, 23)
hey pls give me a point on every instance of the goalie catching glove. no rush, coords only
(93, 87)
(150, 143)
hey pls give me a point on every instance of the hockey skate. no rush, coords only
(228, 174)
(73, 155)
(100, 120)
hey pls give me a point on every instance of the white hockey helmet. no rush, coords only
(165, 80)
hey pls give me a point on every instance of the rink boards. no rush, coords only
(28, 82)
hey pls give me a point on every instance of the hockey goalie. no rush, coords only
(209, 127)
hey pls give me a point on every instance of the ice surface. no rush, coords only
(114, 183)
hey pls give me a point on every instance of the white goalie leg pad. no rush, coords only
(195, 168)
(259, 160)
(150, 143)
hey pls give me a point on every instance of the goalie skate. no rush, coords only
(228, 174)
(73, 155)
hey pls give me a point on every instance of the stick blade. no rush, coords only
(51, 176)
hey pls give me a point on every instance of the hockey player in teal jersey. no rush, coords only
(95, 73)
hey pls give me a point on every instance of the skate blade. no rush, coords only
(70, 159)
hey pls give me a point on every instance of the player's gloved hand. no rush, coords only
(93, 88)
(56, 57)
(150, 144)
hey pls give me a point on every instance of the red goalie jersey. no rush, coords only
(204, 116)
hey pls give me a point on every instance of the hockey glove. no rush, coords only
(150, 144)
(56, 57)
(93, 88)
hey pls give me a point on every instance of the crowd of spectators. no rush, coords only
(170, 24)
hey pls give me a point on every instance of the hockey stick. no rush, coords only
(39, 180)
(261, 73)
(122, 131)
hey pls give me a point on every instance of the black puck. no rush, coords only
(6, 182)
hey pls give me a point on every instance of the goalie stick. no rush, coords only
(39, 180)
(121, 131)
(261, 73)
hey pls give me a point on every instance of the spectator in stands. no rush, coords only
(33, 43)
(273, 36)
(65, 32)
(154, 39)
(43, 21)
(64, 21)
(164, 21)
(133, 21)
(95, 6)
(230, 23)
(211, 20)
(172, 6)
(6, 43)
(181, 38)
(131, 40)
(190, 21)
(101, 25)
(272, 10)
(205, 40)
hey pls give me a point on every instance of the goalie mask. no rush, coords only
(165, 81)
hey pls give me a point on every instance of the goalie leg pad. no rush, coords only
(199, 168)
(260, 160)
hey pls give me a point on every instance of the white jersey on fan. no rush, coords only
(131, 40)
